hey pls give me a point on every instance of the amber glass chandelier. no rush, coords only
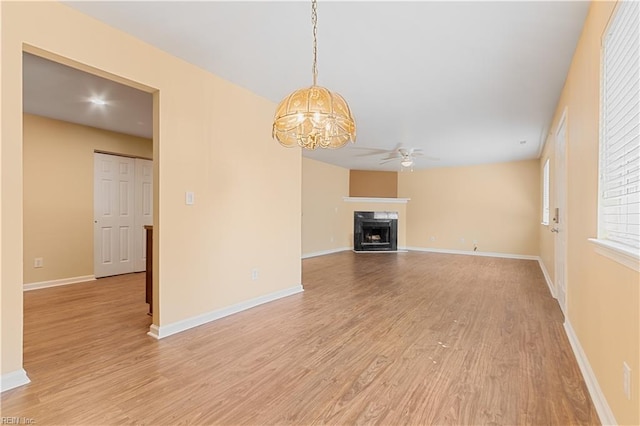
(314, 116)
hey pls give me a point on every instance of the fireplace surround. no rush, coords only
(375, 231)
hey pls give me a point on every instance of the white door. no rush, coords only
(560, 216)
(143, 211)
(114, 178)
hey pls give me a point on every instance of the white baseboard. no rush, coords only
(13, 380)
(599, 401)
(323, 252)
(380, 251)
(162, 331)
(547, 278)
(56, 283)
(475, 253)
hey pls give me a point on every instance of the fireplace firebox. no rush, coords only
(375, 231)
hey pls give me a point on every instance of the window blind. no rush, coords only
(619, 204)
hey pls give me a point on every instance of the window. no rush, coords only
(619, 191)
(545, 193)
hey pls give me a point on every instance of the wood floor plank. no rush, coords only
(404, 338)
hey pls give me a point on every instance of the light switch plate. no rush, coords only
(189, 198)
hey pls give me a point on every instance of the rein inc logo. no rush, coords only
(17, 421)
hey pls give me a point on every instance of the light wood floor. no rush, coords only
(409, 338)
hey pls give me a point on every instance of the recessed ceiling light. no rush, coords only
(97, 101)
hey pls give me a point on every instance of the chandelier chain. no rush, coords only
(314, 117)
(314, 21)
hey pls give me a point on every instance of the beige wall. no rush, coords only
(58, 193)
(203, 253)
(364, 183)
(603, 296)
(327, 220)
(324, 212)
(496, 205)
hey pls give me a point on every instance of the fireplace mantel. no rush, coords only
(375, 200)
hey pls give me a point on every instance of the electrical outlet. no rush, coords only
(254, 274)
(462, 240)
(189, 198)
(38, 262)
(432, 238)
(626, 380)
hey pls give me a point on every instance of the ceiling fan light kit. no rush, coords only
(406, 156)
(406, 162)
(314, 116)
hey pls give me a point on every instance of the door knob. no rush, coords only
(554, 230)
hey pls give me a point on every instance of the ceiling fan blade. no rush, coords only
(418, 153)
(372, 151)
(388, 159)
(391, 156)
(368, 148)
(371, 154)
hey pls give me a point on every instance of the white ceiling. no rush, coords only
(57, 91)
(464, 81)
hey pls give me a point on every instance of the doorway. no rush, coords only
(46, 82)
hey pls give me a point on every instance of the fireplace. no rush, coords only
(375, 231)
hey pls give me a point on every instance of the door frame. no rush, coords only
(156, 150)
(560, 219)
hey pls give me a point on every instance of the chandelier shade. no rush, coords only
(314, 117)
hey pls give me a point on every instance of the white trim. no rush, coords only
(13, 380)
(162, 331)
(154, 331)
(547, 278)
(380, 251)
(324, 252)
(598, 398)
(546, 193)
(562, 211)
(56, 283)
(475, 253)
(375, 200)
(617, 253)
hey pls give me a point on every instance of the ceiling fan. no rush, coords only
(403, 154)
(406, 156)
